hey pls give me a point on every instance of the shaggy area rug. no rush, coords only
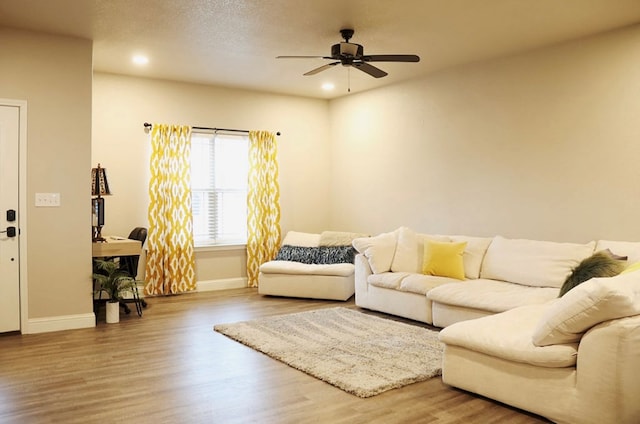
(361, 354)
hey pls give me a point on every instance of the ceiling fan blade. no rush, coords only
(370, 69)
(321, 68)
(302, 57)
(391, 58)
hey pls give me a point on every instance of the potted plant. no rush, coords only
(114, 282)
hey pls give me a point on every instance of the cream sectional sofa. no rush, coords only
(319, 266)
(508, 336)
(572, 360)
(500, 274)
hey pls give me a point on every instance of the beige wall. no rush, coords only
(122, 104)
(53, 74)
(540, 145)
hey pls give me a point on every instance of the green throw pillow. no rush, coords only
(600, 264)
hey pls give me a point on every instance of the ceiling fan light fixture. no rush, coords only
(350, 49)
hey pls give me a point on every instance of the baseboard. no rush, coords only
(59, 323)
(221, 284)
(72, 322)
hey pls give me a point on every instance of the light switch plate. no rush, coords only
(47, 200)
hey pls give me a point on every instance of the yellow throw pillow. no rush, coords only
(631, 268)
(444, 259)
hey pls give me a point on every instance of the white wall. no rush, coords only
(541, 145)
(122, 104)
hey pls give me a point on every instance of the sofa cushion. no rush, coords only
(378, 250)
(410, 250)
(338, 238)
(387, 280)
(532, 262)
(629, 249)
(592, 302)
(473, 253)
(444, 259)
(490, 295)
(289, 267)
(408, 282)
(316, 255)
(600, 264)
(508, 336)
(406, 257)
(422, 284)
(296, 238)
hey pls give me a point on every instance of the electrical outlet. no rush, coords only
(48, 200)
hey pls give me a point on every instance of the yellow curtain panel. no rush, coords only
(263, 203)
(170, 266)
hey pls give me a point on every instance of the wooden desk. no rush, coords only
(116, 246)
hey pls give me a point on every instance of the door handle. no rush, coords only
(11, 231)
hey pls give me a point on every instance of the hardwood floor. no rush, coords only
(171, 367)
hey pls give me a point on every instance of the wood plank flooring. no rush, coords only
(171, 367)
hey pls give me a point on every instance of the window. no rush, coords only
(219, 171)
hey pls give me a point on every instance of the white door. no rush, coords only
(9, 227)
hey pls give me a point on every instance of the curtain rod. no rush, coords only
(148, 125)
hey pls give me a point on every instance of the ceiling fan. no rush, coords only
(351, 54)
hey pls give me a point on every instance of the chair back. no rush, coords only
(130, 263)
(138, 233)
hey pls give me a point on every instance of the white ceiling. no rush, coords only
(235, 42)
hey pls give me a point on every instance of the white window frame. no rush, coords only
(228, 185)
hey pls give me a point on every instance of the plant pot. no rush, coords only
(113, 312)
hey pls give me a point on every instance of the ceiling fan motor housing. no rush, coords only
(346, 50)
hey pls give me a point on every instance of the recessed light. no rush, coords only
(140, 60)
(328, 86)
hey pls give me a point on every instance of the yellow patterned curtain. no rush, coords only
(170, 266)
(263, 203)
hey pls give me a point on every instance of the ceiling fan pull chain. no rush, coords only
(348, 80)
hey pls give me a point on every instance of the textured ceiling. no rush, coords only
(235, 42)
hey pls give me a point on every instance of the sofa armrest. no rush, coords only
(608, 368)
(362, 273)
